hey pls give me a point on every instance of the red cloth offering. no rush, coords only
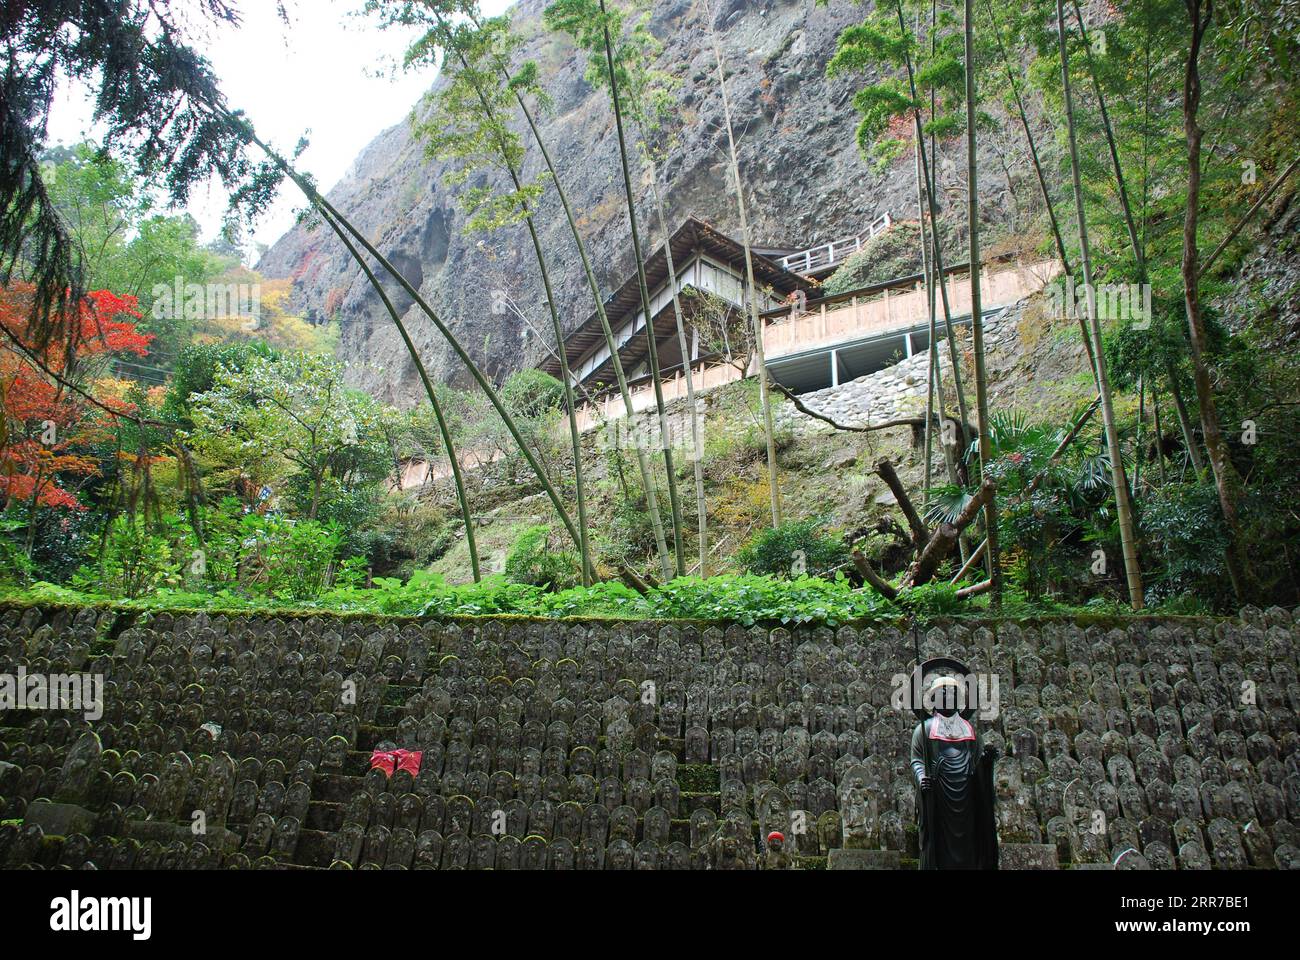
(383, 760)
(390, 761)
(409, 760)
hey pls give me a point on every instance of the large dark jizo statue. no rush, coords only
(953, 771)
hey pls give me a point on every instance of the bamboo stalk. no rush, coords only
(1138, 252)
(940, 272)
(1123, 506)
(1029, 138)
(575, 439)
(697, 436)
(765, 398)
(643, 465)
(444, 431)
(1227, 481)
(320, 203)
(977, 313)
(652, 347)
(1214, 255)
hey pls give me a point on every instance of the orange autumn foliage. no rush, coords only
(46, 427)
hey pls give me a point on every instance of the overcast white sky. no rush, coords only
(327, 74)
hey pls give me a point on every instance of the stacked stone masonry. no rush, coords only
(245, 742)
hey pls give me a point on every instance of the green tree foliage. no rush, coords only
(152, 90)
(465, 120)
(534, 400)
(128, 244)
(470, 125)
(533, 394)
(796, 548)
(275, 417)
(196, 372)
(1048, 534)
(243, 555)
(877, 41)
(623, 43)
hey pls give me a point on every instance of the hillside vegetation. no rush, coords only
(1123, 441)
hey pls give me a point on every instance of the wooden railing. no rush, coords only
(877, 311)
(834, 253)
(708, 375)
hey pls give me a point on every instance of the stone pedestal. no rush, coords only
(1027, 856)
(864, 860)
(59, 819)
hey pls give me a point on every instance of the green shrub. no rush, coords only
(751, 599)
(610, 599)
(795, 548)
(937, 599)
(137, 558)
(887, 256)
(532, 393)
(754, 441)
(15, 567)
(1187, 523)
(746, 600)
(631, 534)
(537, 561)
(290, 560)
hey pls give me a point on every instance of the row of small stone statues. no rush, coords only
(399, 849)
(553, 641)
(1057, 656)
(719, 701)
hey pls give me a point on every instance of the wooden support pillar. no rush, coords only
(835, 368)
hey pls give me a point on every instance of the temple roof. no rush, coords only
(693, 235)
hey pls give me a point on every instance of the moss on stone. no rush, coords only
(696, 778)
(810, 863)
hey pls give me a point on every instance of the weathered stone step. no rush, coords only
(315, 848)
(397, 694)
(369, 736)
(358, 762)
(334, 788)
(864, 860)
(690, 802)
(324, 816)
(390, 715)
(1027, 856)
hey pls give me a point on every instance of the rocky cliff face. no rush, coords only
(804, 179)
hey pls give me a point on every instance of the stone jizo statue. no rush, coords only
(953, 773)
(774, 856)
